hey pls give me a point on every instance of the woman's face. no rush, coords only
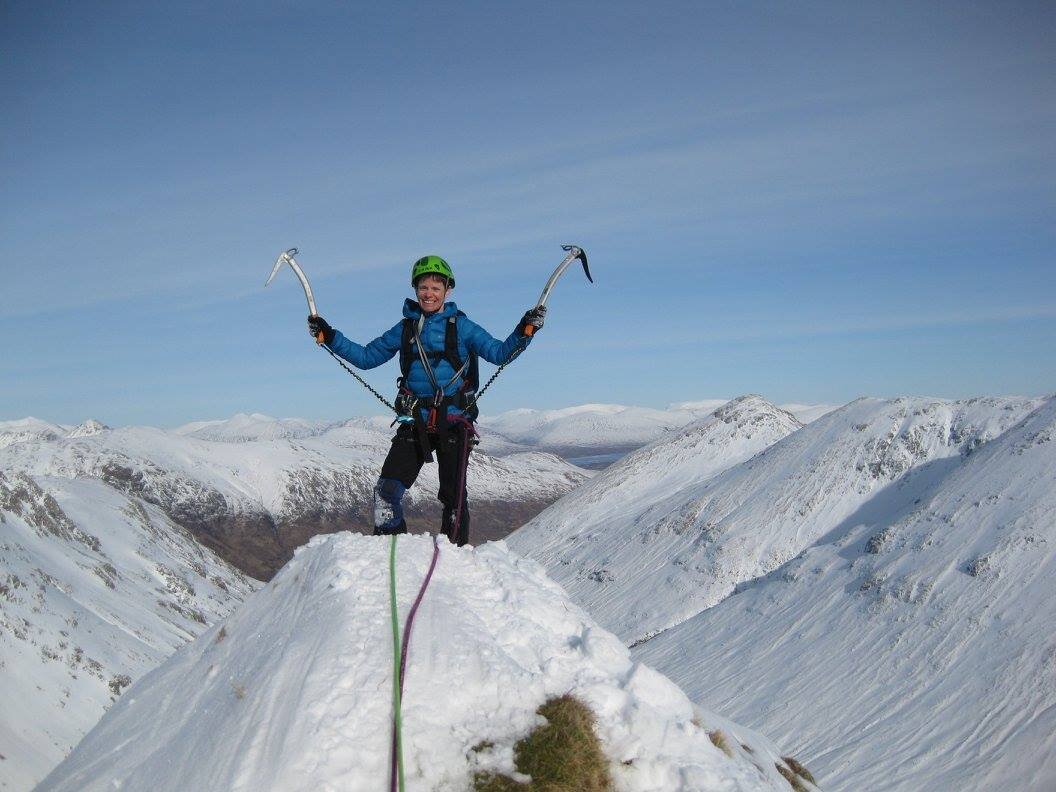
(432, 291)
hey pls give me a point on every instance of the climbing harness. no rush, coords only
(439, 395)
(399, 662)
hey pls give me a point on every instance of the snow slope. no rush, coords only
(911, 648)
(648, 569)
(809, 413)
(294, 691)
(584, 536)
(29, 429)
(96, 588)
(736, 431)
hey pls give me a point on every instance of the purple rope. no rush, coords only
(414, 610)
(403, 652)
(467, 432)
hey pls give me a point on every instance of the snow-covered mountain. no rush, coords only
(912, 646)
(253, 488)
(581, 535)
(604, 431)
(651, 475)
(294, 691)
(244, 427)
(28, 430)
(96, 588)
(808, 413)
(805, 413)
(652, 567)
(596, 435)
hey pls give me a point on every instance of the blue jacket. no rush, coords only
(472, 338)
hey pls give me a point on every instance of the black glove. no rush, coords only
(317, 325)
(534, 317)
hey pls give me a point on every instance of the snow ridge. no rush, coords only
(293, 691)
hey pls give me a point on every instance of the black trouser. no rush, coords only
(452, 446)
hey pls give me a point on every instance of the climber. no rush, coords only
(438, 347)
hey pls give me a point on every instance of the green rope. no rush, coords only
(397, 742)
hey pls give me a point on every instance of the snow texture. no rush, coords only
(253, 464)
(293, 692)
(600, 540)
(96, 588)
(912, 647)
(592, 427)
(677, 526)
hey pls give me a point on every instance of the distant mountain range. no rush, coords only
(254, 488)
(603, 433)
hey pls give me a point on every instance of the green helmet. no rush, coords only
(432, 265)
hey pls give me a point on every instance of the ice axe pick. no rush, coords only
(287, 257)
(574, 252)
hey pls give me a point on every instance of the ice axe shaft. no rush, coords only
(574, 252)
(287, 257)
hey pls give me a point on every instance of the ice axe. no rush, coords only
(287, 257)
(574, 252)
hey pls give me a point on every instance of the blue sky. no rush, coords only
(812, 201)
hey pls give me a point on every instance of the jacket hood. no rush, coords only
(412, 310)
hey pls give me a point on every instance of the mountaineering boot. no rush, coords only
(388, 507)
(457, 534)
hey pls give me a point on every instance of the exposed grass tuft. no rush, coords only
(562, 755)
(222, 634)
(719, 740)
(791, 778)
(490, 782)
(799, 769)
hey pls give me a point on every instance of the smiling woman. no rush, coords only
(432, 290)
(438, 347)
